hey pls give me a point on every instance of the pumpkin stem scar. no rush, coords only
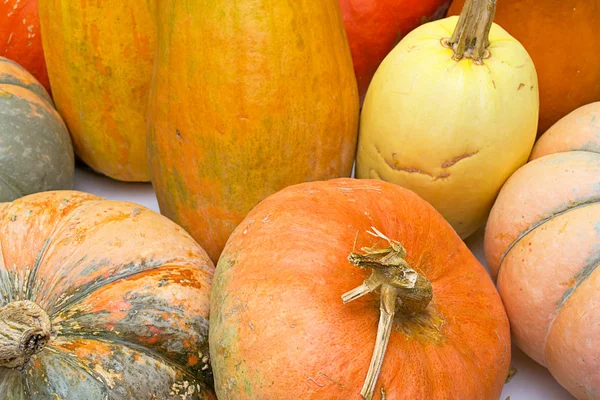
(25, 329)
(470, 38)
(402, 290)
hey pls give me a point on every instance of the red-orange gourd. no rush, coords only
(374, 27)
(543, 242)
(20, 38)
(100, 299)
(280, 328)
(561, 37)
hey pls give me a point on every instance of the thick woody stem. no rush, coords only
(402, 290)
(24, 331)
(471, 35)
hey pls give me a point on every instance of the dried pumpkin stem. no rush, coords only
(471, 35)
(24, 331)
(402, 290)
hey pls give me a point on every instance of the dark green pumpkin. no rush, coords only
(36, 154)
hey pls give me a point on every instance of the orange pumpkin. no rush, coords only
(560, 36)
(280, 328)
(100, 299)
(542, 241)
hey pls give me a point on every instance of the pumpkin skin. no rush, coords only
(542, 243)
(553, 31)
(279, 328)
(233, 121)
(14, 74)
(375, 27)
(578, 130)
(20, 38)
(35, 148)
(102, 91)
(457, 160)
(126, 290)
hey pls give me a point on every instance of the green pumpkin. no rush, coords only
(36, 153)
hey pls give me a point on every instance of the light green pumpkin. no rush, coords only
(36, 154)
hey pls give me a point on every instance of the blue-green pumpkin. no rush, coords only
(36, 153)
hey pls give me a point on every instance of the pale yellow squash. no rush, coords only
(452, 130)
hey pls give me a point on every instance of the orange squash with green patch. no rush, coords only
(100, 299)
(248, 97)
(280, 328)
(100, 56)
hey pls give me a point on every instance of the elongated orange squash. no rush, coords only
(100, 56)
(248, 98)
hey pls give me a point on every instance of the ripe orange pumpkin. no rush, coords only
(542, 241)
(560, 36)
(280, 330)
(100, 299)
(374, 27)
(20, 38)
(248, 97)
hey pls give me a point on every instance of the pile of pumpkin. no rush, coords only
(244, 115)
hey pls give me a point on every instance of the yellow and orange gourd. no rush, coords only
(248, 98)
(100, 56)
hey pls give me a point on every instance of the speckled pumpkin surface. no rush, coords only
(100, 300)
(35, 148)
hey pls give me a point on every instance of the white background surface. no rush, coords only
(532, 382)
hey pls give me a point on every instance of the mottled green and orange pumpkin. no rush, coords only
(279, 326)
(35, 148)
(542, 241)
(100, 299)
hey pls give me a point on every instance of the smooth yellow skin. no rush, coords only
(452, 131)
(100, 57)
